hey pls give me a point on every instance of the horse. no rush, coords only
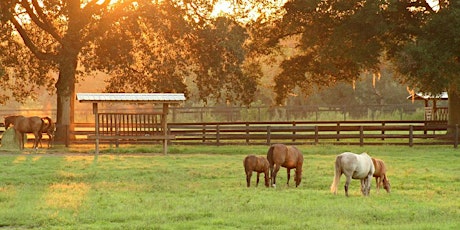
(24, 125)
(286, 156)
(49, 129)
(356, 166)
(380, 175)
(257, 164)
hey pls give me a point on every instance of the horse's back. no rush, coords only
(379, 167)
(28, 124)
(286, 156)
(276, 154)
(355, 165)
(255, 163)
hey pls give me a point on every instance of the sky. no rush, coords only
(434, 4)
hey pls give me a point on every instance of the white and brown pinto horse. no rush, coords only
(354, 166)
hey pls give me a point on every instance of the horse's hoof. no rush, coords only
(274, 185)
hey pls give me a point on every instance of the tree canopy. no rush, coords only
(162, 46)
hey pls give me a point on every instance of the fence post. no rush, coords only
(268, 135)
(383, 130)
(316, 135)
(203, 137)
(411, 135)
(361, 135)
(338, 131)
(218, 134)
(293, 132)
(456, 136)
(247, 133)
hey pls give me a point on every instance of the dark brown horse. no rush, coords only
(290, 157)
(257, 164)
(23, 125)
(380, 175)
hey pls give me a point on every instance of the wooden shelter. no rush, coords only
(119, 125)
(433, 113)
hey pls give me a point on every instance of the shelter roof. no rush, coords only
(426, 97)
(131, 97)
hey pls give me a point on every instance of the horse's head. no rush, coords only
(386, 184)
(298, 177)
(267, 180)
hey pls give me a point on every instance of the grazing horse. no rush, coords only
(49, 129)
(23, 125)
(380, 175)
(356, 166)
(286, 156)
(257, 164)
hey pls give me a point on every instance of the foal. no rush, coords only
(257, 164)
(380, 175)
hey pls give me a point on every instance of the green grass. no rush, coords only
(203, 187)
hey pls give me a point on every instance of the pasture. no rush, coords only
(204, 187)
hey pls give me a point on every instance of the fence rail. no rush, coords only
(296, 132)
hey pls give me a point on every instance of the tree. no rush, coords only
(144, 45)
(338, 40)
(332, 44)
(431, 61)
(54, 33)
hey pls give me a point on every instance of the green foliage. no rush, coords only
(204, 187)
(430, 63)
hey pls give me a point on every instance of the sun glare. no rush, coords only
(221, 8)
(434, 4)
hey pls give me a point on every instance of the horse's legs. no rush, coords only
(258, 174)
(347, 184)
(363, 186)
(368, 182)
(38, 138)
(378, 181)
(288, 176)
(274, 172)
(248, 178)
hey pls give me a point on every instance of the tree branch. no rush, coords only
(29, 43)
(40, 19)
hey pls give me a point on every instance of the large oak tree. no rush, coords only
(338, 40)
(144, 46)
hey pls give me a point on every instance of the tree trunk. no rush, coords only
(66, 98)
(454, 109)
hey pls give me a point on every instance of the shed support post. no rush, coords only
(96, 122)
(164, 126)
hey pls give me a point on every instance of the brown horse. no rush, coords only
(49, 129)
(257, 164)
(380, 175)
(23, 125)
(290, 157)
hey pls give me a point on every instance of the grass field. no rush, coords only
(203, 187)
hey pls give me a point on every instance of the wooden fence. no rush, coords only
(296, 132)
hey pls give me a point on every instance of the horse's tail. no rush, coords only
(46, 125)
(270, 162)
(337, 174)
(270, 154)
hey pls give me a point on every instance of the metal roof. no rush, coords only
(131, 97)
(423, 96)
